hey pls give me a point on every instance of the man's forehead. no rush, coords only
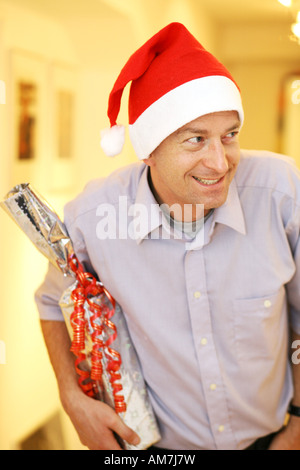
(230, 120)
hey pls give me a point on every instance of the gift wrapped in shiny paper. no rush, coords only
(106, 361)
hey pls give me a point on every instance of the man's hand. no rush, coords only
(289, 437)
(96, 423)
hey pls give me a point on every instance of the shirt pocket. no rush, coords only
(260, 326)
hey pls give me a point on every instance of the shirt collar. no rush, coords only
(150, 212)
(230, 213)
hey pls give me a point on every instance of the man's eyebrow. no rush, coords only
(197, 130)
(237, 125)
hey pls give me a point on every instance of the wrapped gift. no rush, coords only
(106, 361)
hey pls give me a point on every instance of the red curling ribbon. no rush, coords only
(96, 357)
(78, 343)
(114, 364)
(87, 287)
(101, 315)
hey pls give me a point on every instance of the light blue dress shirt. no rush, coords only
(209, 316)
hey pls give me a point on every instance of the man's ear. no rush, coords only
(149, 161)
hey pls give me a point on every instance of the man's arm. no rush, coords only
(94, 421)
(289, 438)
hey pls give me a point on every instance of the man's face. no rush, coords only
(196, 164)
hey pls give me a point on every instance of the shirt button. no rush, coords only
(267, 303)
(204, 341)
(221, 428)
(197, 294)
(213, 386)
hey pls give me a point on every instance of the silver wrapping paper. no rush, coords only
(139, 415)
(40, 223)
(43, 227)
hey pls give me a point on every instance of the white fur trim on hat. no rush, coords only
(180, 106)
(112, 140)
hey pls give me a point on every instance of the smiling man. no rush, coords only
(196, 164)
(212, 312)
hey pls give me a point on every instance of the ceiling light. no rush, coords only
(296, 29)
(294, 11)
(286, 3)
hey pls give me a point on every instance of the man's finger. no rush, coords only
(123, 431)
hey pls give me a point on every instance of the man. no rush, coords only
(209, 280)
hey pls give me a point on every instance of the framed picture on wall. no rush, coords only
(28, 117)
(63, 112)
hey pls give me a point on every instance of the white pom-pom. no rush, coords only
(112, 140)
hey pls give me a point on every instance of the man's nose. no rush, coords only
(216, 158)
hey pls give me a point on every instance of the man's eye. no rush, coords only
(195, 140)
(231, 135)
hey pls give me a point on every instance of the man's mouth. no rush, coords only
(207, 182)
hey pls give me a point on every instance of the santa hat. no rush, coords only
(174, 80)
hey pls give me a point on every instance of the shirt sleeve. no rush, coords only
(48, 295)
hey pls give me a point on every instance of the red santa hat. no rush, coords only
(174, 80)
